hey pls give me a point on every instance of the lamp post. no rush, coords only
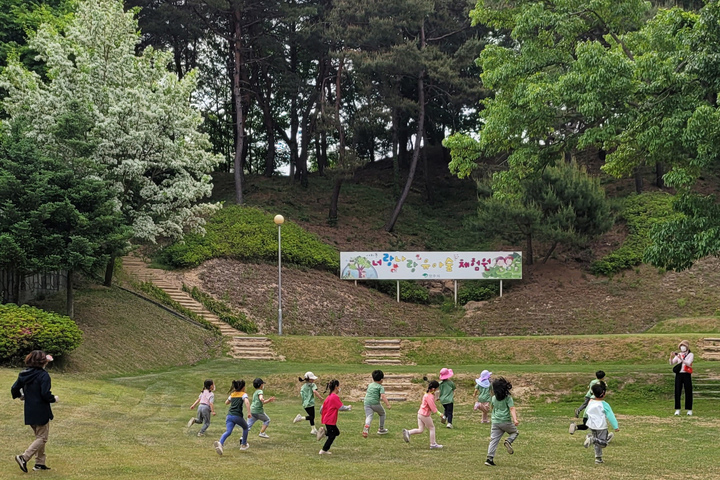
(279, 220)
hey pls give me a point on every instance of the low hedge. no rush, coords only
(161, 296)
(222, 310)
(246, 233)
(640, 213)
(25, 328)
(410, 292)
(478, 290)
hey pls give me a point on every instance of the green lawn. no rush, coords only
(134, 427)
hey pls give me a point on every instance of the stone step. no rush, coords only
(712, 348)
(383, 354)
(380, 348)
(371, 361)
(382, 342)
(396, 399)
(398, 385)
(711, 339)
(254, 357)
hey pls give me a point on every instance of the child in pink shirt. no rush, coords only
(331, 406)
(424, 419)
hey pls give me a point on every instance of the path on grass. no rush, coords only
(241, 345)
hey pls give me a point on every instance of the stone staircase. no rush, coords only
(706, 386)
(382, 352)
(399, 387)
(241, 345)
(710, 348)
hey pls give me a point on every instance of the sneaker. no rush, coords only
(323, 452)
(449, 425)
(588, 441)
(244, 447)
(677, 412)
(577, 412)
(218, 447)
(201, 434)
(508, 447)
(263, 435)
(40, 467)
(348, 408)
(611, 435)
(443, 419)
(689, 413)
(22, 462)
(298, 418)
(382, 431)
(313, 431)
(406, 435)
(191, 422)
(489, 462)
(365, 431)
(573, 427)
(320, 433)
(599, 460)
(435, 446)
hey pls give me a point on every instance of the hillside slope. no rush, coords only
(131, 332)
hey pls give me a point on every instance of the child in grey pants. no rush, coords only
(599, 414)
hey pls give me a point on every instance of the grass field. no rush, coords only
(133, 427)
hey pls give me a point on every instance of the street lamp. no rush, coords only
(279, 220)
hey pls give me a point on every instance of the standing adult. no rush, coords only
(33, 386)
(682, 362)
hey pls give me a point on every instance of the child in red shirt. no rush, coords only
(330, 409)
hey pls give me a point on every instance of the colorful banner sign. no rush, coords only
(430, 265)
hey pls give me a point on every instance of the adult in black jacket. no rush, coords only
(33, 386)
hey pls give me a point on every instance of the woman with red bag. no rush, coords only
(683, 361)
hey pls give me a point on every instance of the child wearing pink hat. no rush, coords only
(447, 395)
(482, 391)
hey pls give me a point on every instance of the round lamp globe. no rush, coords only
(279, 219)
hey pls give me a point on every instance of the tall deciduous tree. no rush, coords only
(148, 149)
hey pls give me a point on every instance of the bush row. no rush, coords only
(161, 296)
(24, 329)
(640, 213)
(246, 233)
(222, 310)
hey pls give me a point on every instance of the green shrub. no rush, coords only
(161, 296)
(246, 233)
(640, 213)
(24, 329)
(477, 291)
(222, 310)
(410, 292)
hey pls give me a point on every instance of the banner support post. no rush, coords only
(455, 293)
(500, 288)
(398, 291)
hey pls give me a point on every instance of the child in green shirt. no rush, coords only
(308, 392)
(483, 394)
(447, 395)
(599, 376)
(374, 394)
(257, 408)
(504, 419)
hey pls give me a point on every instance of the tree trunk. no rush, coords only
(659, 172)
(396, 149)
(418, 140)
(333, 214)
(236, 46)
(529, 258)
(17, 275)
(426, 168)
(552, 249)
(70, 296)
(109, 271)
(638, 180)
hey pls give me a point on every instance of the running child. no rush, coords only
(236, 400)
(257, 408)
(331, 406)
(427, 406)
(599, 414)
(447, 395)
(308, 392)
(206, 407)
(482, 392)
(374, 394)
(599, 376)
(504, 419)
(583, 426)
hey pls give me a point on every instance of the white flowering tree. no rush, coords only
(149, 149)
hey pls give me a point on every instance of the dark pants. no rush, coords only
(583, 425)
(683, 380)
(310, 415)
(331, 431)
(448, 411)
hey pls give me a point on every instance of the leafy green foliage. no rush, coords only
(641, 213)
(477, 291)
(245, 233)
(160, 295)
(24, 329)
(222, 310)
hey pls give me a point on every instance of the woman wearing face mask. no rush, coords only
(683, 361)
